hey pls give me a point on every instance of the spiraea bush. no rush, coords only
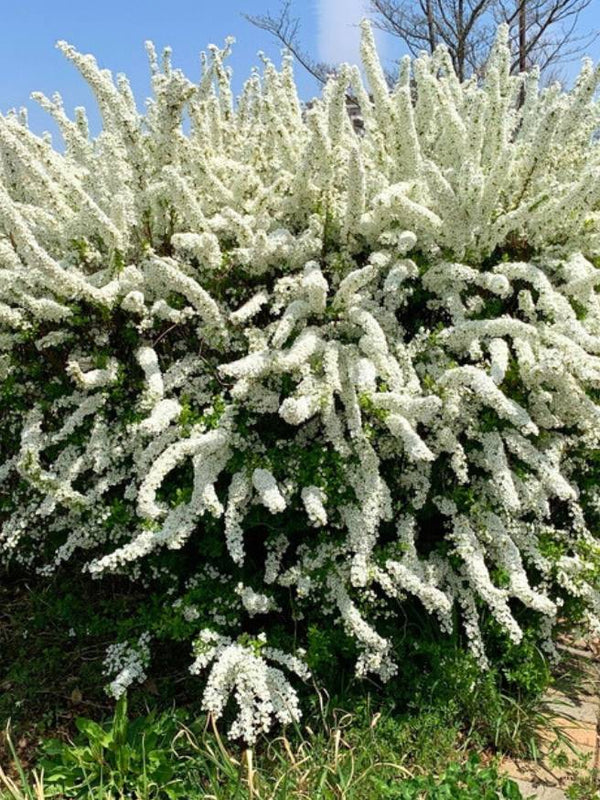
(300, 376)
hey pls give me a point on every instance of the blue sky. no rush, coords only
(115, 31)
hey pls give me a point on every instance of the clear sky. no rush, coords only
(115, 31)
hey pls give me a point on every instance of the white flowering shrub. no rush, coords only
(303, 375)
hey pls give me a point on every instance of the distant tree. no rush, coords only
(464, 26)
(542, 32)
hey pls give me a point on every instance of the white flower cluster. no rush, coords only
(369, 364)
(261, 691)
(127, 663)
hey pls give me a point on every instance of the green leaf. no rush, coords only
(95, 733)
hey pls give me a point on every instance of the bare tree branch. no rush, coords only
(549, 31)
(286, 29)
(462, 25)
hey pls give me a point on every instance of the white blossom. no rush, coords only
(314, 503)
(129, 662)
(268, 490)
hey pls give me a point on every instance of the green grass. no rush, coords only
(160, 757)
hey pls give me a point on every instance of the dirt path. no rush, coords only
(575, 761)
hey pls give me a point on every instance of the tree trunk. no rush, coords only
(430, 25)
(460, 41)
(522, 35)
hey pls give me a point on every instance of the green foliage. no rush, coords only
(121, 759)
(189, 416)
(360, 756)
(467, 781)
(393, 736)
